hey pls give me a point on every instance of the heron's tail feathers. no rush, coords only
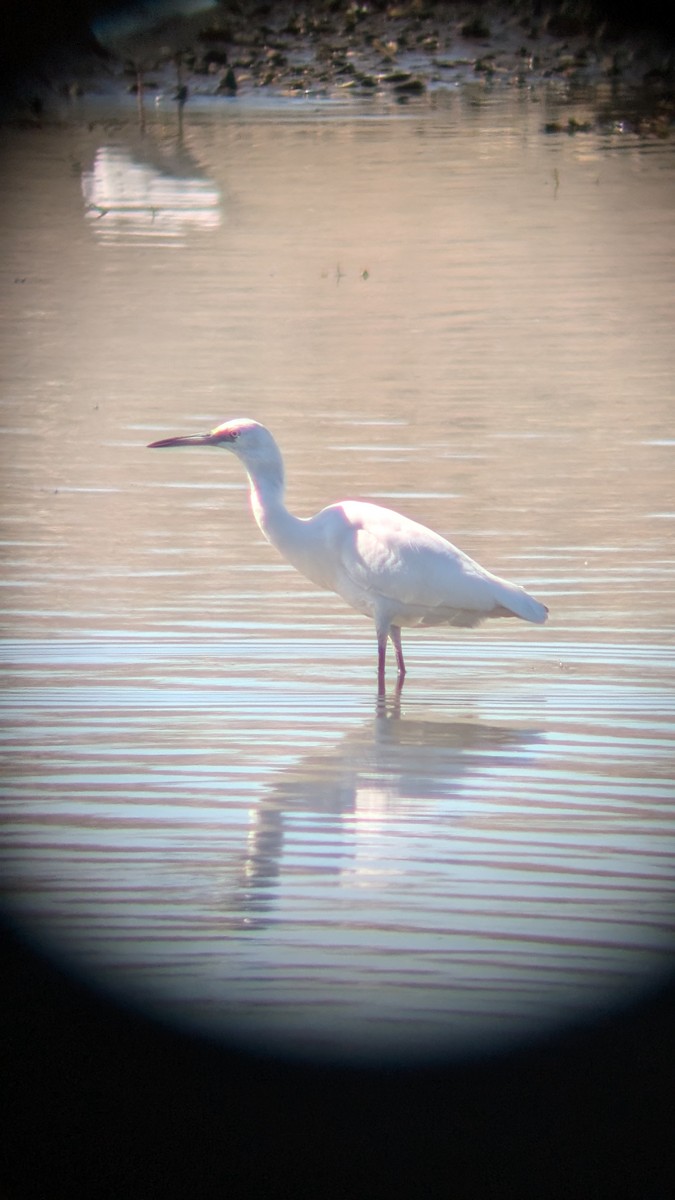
(514, 601)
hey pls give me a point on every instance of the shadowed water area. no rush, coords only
(442, 308)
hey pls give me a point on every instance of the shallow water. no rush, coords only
(441, 308)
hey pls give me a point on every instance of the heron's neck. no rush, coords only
(294, 537)
(267, 501)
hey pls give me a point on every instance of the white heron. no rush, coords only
(386, 566)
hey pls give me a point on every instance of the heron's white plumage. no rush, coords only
(384, 565)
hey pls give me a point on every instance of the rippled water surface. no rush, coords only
(441, 308)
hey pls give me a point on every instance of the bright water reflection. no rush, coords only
(445, 311)
(128, 198)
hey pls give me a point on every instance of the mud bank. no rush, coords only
(400, 53)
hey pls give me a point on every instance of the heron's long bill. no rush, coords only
(191, 439)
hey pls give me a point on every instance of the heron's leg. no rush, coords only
(395, 635)
(381, 657)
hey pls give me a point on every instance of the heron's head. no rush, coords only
(250, 441)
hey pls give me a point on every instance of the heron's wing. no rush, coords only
(387, 555)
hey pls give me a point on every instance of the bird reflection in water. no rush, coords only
(370, 776)
(148, 193)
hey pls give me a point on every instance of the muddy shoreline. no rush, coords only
(398, 53)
